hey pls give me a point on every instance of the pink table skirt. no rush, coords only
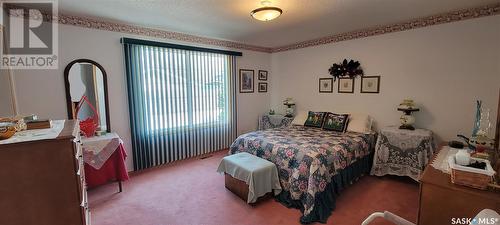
(114, 169)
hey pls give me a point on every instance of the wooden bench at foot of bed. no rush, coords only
(249, 176)
(236, 186)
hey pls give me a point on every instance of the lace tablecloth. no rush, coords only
(440, 162)
(37, 134)
(403, 152)
(98, 149)
(273, 121)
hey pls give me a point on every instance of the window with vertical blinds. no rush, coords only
(181, 101)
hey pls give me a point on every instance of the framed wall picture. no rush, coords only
(262, 87)
(262, 75)
(346, 85)
(325, 85)
(370, 84)
(246, 81)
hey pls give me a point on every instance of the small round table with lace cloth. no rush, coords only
(273, 121)
(402, 152)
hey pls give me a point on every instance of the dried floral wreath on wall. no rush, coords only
(346, 68)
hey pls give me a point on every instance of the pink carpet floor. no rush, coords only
(192, 192)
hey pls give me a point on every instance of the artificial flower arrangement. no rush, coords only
(346, 68)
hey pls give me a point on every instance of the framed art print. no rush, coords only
(346, 85)
(262, 87)
(370, 84)
(246, 81)
(262, 75)
(325, 85)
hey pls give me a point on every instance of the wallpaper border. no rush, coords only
(448, 17)
(471, 13)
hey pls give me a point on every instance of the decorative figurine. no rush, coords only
(407, 120)
(289, 110)
(477, 118)
(480, 140)
(271, 112)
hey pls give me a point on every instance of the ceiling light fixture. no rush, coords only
(267, 12)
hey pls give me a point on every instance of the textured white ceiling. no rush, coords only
(230, 19)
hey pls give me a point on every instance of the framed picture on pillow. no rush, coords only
(246, 81)
(346, 85)
(370, 84)
(325, 85)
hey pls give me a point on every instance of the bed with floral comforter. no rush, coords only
(313, 164)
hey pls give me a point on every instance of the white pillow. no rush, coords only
(360, 123)
(300, 118)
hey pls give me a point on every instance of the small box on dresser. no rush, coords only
(43, 181)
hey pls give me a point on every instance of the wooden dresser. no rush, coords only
(441, 200)
(42, 182)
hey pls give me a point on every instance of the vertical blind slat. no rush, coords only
(172, 146)
(141, 105)
(128, 69)
(161, 87)
(157, 80)
(198, 104)
(176, 110)
(209, 104)
(147, 89)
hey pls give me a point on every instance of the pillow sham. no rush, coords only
(360, 123)
(300, 118)
(336, 122)
(314, 119)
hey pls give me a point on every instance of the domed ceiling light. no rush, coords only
(267, 12)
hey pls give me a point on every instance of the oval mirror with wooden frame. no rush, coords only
(85, 77)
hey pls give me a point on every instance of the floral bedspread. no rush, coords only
(307, 158)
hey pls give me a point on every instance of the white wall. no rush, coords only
(6, 106)
(444, 68)
(42, 91)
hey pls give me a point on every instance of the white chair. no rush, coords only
(387, 216)
(485, 214)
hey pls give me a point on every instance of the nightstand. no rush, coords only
(402, 152)
(273, 121)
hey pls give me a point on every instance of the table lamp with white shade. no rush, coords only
(407, 120)
(289, 110)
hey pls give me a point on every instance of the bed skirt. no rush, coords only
(325, 201)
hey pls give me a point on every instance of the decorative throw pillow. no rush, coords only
(315, 119)
(360, 123)
(335, 122)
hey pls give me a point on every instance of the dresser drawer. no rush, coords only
(88, 215)
(80, 168)
(78, 151)
(80, 174)
(78, 148)
(82, 193)
(84, 202)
